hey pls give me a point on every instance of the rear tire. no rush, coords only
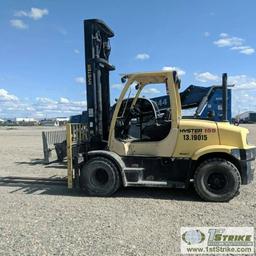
(217, 180)
(100, 177)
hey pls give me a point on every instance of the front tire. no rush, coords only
(100, 177)
(217, 180)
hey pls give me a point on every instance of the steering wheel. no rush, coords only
(135, 111)
(143, 109)
(166, 115)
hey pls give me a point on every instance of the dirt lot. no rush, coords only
(46, 219)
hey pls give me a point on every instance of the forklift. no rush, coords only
(134, 144)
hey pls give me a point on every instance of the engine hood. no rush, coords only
(232, 135)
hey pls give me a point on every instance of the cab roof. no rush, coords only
(149, 77)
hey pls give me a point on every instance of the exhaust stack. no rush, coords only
(224, 97)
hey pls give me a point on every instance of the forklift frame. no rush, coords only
(100, 162)
(76, 137)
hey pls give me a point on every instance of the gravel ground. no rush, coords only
(39, 219)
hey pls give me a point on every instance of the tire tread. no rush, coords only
(108, 162)
(212, 160)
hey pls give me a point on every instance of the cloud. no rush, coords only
(80, 80)
(76, 51)
(142, 56)
(242, 82)
(179, 70)
(239, 48)
(117, 86)
(64, 100)
(206, 34)
(223, 35)
(226, 40)
(63, 106)
(19, 24)
(55, 107)
(234, 43)
(9, 103)
(45, 100)
(243, 101)
(150, 91)
(34, 13)
(5, 96)
(243, 93)
(30, 109)
(223, 42)
(205, 77)
(248, 51)
(12, 106)
(244, 49)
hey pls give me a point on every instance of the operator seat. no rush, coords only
(160, 128)
(157, 131)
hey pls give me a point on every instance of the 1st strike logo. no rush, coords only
(196, 134)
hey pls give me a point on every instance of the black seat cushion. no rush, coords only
(157, 132)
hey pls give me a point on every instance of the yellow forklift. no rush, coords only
(135, 144)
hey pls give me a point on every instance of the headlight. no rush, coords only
(248, 140)
(236, 153)
(250, 154)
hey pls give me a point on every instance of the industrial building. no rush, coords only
(58, 121)
(26, 121)
(247, 117)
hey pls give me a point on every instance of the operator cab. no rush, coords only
(139, 117)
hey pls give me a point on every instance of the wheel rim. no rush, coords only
(100, 177)
(217, 182)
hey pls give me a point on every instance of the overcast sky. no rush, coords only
(42, 55)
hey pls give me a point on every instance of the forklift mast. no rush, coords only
(97, 51)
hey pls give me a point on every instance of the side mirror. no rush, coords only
(137, 86)
(176, 79)
(174, 73)
(123, 79)
(210, 114)
(178, 83)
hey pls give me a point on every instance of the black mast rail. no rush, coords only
(97, 51)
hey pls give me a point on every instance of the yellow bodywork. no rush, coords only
(199, 137)
(164, 147)
(188, 138)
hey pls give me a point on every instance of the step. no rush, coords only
(133, 174)
(133, 169)
(149, 183)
